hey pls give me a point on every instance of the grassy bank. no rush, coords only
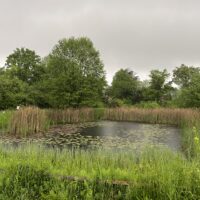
(154, 174)
(33, 172)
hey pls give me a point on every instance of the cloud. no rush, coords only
(138, 34)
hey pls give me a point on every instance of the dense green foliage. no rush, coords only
(38, 173)
(73, 75)
(124, 86)
(183, 75)
(24, 64)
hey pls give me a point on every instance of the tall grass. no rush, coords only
(156, 116)
(31, 172)
(71, 115)
(38, 173)
(5, 117)
(28, 120)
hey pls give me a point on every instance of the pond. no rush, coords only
(107, 135)
(135, 135)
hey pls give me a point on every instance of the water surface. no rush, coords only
(105, 134)
(136, 134)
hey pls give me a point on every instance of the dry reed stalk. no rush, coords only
(157, 116)
(28, 120)
(71, 115)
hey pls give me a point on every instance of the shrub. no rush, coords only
(147, 104)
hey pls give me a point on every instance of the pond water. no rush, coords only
(106, 135)
(135, 134)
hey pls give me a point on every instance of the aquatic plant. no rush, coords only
(31, 120)
(156, 116)
(72, 115)
(28, 120)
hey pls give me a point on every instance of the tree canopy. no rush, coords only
(24, 64)
(159, 88)
(124, 85)
(73, 75)
(183, 75)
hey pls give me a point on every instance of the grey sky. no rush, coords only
(138, 34)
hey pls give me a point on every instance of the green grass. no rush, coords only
(155, 174)
(5, 117)
(32, 172)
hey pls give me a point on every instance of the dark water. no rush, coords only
(135, 134)
(106, 135)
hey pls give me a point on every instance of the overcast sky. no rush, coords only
(136, 34)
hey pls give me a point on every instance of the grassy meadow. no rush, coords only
(35, 172)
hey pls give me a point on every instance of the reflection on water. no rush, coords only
(105, 134)
(136, 134)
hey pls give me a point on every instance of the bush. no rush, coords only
(147, 104)
(113, 103)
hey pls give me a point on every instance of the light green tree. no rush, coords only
(182, 75)
(76, 74)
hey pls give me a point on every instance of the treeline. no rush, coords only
(73, 75)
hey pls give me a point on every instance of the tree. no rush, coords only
(182, 75)
(190, 96)
(12, 92)
(159, 89)
(124, 85)
(75, 74)
(25, 64)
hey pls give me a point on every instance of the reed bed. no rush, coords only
(32, 120)
(27, 121)
(70, 115)
(156, 116)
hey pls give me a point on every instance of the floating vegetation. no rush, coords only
(122, 135)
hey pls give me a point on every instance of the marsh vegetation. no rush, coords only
(73, 136)
(57, 155)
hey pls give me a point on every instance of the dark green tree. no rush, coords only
(12, 92)
(24, 64)
(190, 96)
(124, 85)
(159, 89)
